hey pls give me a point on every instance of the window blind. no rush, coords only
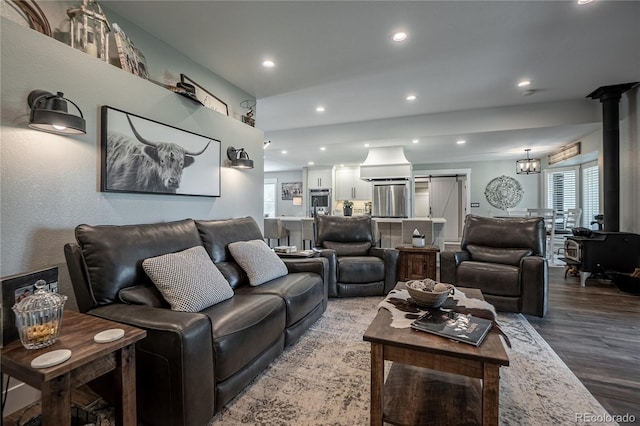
(561, 191)
(590, 194)
(270, 199)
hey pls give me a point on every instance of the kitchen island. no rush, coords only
(390, 230)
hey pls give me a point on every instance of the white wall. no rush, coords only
(50, 183)
(482, 172)
(286, 207)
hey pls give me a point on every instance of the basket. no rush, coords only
(425, 298)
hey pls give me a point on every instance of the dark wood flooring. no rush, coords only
(596, 331)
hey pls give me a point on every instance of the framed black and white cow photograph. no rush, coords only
(146, 156)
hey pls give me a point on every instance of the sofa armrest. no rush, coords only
(332, 258)
(534, 276)
(317, 265)
(449, 261)
(390, 258)
(175, 365)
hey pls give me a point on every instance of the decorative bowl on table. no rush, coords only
(39, 317)
(428, 293)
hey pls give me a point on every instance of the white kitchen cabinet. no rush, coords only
(319, 178)
(349, 186)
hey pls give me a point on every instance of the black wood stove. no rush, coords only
(601, 252)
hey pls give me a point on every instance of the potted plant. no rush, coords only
(347, 208)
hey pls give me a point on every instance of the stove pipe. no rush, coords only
(610, 98)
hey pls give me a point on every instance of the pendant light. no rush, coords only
(528, 166)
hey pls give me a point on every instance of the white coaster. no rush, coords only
(51, 358)
(109, 335)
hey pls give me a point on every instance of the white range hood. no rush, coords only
(385, 163)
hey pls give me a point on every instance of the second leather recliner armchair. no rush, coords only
(356, 266)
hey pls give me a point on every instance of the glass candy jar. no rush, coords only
(39, 317)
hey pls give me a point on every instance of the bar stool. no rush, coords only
(307, 232)
(275, 230)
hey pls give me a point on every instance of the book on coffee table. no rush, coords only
(453, 325)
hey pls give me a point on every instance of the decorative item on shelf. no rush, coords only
(565, 153)
(503, 192)
(35, 16)
(89, 29)
(203, 96)
(239, 158)
(49, 114)
(131, 58)
(39, 317)
(347, 208)
(250, 106)
(528, 165)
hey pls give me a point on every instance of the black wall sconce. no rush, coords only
(239, 158)
(49, 114)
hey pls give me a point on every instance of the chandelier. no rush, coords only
(528, 165)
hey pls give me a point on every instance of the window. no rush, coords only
(590, 193)
(561, 193)
(270, 197)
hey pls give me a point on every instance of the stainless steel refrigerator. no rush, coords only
(390, 200)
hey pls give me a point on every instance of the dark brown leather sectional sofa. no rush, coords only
(191, 364)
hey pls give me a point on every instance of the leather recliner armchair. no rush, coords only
(356, 266)
(505, 258)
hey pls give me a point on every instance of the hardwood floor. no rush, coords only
(596, 331)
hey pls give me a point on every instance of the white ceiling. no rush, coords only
(462, 59)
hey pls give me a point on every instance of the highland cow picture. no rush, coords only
(143, 155)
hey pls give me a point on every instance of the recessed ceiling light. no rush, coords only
(400, 36)
(268, 63)
(411, 97)
(323, 148)
(311, 163)
(284, 151)
(341, 165)
(461, 141)
(320, 109)
(524, 83)
(585, 1)
(366, 144)
(415, 140)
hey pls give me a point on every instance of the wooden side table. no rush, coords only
(88, 361)
(417, 263)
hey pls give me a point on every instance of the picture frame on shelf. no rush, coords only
(135, 155)
(205, 97)
(131, 58)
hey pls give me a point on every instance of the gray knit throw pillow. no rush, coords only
(188, 280)
(259, 262)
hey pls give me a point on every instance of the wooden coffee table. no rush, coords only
(433, 380)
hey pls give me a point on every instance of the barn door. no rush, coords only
(444, 202)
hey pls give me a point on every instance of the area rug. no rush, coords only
(323, 379)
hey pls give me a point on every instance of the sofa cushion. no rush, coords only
(301, 292)
(242, 328)
(360, 269)
(493, 278)
(259, 262)
(234, 274)
(348, 249)
(188, 280)
(217, 234)
(508, 256)
(113, 255)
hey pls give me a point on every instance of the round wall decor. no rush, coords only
(504, 192)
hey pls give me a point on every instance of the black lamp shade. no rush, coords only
(49, 114)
